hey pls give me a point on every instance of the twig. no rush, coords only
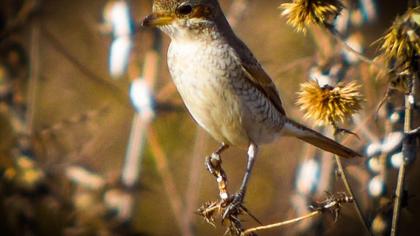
(340, 39)
(62, 49)
(195, 175)
(135, 149)
(141, 122)
(408, 152)
(304, 61)
(168, 182)
(337, 36)
(332, 204)
(349, 190)
(276, 225)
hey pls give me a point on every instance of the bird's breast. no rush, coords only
(213, 86)
(202, 74)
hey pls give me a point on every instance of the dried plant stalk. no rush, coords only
(409, 152)
(280, 224)
(349, 190)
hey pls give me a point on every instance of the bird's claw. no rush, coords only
(233, 206)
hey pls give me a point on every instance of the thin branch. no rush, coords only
(141, 121)
(349, 190)
(408, 152)
(280, 224)
(135, 150)
(62, 49)
(168, 182)
(359, 126)
(340, 39)
(304, 61)
(356, 205)
(195, 175)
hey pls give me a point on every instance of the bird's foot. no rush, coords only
(233, 206)
(231, 210)
(209, 210)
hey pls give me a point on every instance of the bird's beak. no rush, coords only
(155, 20)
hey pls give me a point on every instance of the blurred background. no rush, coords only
(94, 139)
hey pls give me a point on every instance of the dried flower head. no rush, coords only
(402, 41)
(329, 105)
(401, 50)
(302, 13)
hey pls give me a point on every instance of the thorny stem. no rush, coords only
(276, 225)
(408, 152)
(349, 190)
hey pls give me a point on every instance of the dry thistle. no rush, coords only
(401, 49)
(210, 210)
(329, 105)
(402, 41)
(302, 13)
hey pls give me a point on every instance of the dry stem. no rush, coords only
(276, 225)
(337, 36)
(90, 74)
(356, 205)
(408, 151)
(349, 190)
(168, 182)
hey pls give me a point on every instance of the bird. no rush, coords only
(224, 87)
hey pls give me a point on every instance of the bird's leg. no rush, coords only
(214, 166)
(236, 201)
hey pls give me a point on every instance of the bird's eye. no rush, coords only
(184, 9)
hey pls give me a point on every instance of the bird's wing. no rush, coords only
(257, 76)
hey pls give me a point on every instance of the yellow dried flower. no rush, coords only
(302, 13)
(329, 105)
(402, 41)
(401, 50)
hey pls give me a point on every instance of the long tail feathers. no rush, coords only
(308, 135)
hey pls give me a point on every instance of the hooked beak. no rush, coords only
(155, 20)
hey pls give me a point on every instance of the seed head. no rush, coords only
(329, 105)
(402, 41)
(302, 13)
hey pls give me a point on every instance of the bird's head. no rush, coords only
(184, 18)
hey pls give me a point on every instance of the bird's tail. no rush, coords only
(308, 135)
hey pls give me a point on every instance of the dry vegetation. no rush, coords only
(66, 125)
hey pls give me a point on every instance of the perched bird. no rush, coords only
(224, 87)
